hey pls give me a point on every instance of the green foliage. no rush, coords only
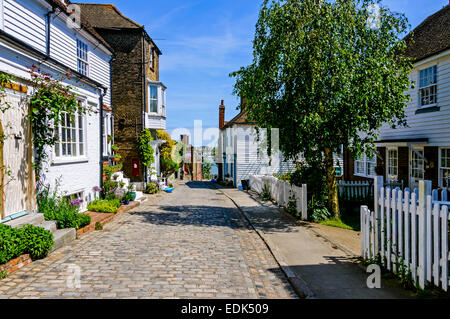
(145, 148)
(5, 80)
(3, 274)
(98, 226)
(166, 149)
(60, 210)
(109, 188)
(14, 242)
(104, 206)
(265, 194)
(168, 167)
(37, 241)
(152, 188)
(206, 169)
(128, 197)
(318, 212)
(292, 205)
(326, 78)
(52, 102)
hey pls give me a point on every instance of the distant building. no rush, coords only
(241, 152)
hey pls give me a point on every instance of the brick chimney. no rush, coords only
(221, 115)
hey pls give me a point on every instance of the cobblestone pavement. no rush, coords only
(192, 243)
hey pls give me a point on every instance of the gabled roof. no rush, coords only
(431, 37)
(107, 16)
(84, 22)
(240, 119)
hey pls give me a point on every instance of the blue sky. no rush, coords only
(204, 40)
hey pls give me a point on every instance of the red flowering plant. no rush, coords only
(50, 102)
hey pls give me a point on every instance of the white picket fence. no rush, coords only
(354, 190)
(409, 231)
(280, 191)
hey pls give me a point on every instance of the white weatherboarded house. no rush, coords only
(38, 32)
(420, 151)
(243, 152)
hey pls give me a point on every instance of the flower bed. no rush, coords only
(15, 264)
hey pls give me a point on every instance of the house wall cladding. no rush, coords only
(26, 21)
(433, 125)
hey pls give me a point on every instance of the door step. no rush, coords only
(63, 237)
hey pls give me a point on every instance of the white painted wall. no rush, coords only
(434, 125)
(25, 20)
(234, 142)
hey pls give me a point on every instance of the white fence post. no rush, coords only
(424, 190)
(305, 202)
(378, 185)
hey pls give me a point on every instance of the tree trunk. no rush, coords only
(333, 199)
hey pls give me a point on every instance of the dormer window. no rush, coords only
(428, 87)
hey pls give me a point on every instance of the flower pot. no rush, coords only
(127, 202)
(133, 196)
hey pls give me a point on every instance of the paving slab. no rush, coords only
(317, 267)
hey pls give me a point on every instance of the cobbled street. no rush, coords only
(193, 243)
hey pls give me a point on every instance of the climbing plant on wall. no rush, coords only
(51, 99)
(145, 148)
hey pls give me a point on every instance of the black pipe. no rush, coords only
(102, 94)
(48, 29)
(144, 104)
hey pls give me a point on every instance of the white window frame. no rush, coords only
(107, 130)
(163, 101)
(391, 175)
(413, 154)
(81, 59)
(365, 161)
(442, 167)
(59, 157)
(150, 99)
(429, 87)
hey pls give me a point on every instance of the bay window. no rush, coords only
(153, 99)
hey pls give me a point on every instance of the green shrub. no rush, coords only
(60, 210)
(3, 274)
(37, 241)
(11, 245)
(98, 226)
(14, 242)
(104, 206)
(152, 188)
(266, 193)
(128, 197)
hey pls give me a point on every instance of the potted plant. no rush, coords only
(127, 198)
(132, 192)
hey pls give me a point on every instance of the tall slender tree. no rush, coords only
(327, 74)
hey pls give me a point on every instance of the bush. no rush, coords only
(11, 245)
(60, 210)
(128, 197)
(152, 188)
(14, 242)
(37, 241)
(104, 206)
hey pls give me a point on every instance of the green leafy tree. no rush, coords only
(326, 76)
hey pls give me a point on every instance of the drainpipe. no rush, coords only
(48, 28)
(102, 95)
(113, 58)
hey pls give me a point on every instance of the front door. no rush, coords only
(416, 168)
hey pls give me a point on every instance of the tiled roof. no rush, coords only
(107, 16)
(84, 22)
(431, 37)
(240, 119)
